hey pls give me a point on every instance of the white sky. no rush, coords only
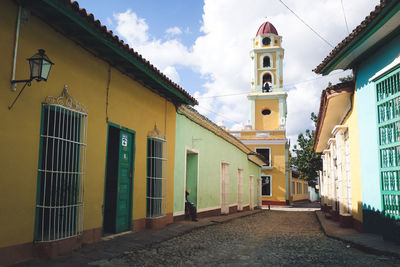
(221, 54)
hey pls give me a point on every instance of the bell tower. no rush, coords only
(265, 134)
(267, 99)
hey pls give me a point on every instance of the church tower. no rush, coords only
(266, 131)
(267, 99)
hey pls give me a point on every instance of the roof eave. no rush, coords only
(357, 37)
(104, 45)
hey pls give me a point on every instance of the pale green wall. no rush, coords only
(212, 151)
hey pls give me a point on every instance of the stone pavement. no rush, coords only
(365, 241)
(116, 245)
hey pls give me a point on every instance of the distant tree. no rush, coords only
(304, 159)
(348, 78)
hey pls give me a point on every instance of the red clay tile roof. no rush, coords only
(109, 34)
(330, 90)
(266, 28)
(45, 10)
(203, 121)
(353, 35)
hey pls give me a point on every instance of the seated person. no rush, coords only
(190, 208)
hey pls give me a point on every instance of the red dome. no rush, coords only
(266, 28)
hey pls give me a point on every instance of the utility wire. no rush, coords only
(322, 38)
(285, 85)
(218, 114)
(344, 15)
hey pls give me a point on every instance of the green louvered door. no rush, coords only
(124, 187)
(388, 100)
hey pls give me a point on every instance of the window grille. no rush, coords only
(59, 205)
(156, 174)
(388, 103)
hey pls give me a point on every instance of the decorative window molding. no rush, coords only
(61, 173)
(66, 100)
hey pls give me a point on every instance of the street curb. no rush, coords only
(367, 249)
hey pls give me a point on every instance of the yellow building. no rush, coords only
(91, 150)
(266, 130)
(298, 188)
(336, 137)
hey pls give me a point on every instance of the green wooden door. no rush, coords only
(191, 177)
(124, 194)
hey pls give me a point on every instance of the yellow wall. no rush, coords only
(267, 122)
(130, 105)
(277, 172)
(296, 196)
(260, 60)
(351, 121)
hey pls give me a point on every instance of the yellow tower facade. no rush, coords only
(265, 131)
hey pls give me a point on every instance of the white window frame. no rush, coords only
(159, 209)
(270, 185)
(269, 148)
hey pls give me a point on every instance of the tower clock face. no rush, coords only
(266, 41)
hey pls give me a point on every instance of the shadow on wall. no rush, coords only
(377, 222)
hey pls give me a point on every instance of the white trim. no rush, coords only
(258, 131)
(208, 209)
(233, 205)
(264, 141)
(224, 184)
(385, 70)
(269, 156)
(178, 213)
(240, 173)
(270, 185)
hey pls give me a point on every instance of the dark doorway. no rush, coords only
(119, 181)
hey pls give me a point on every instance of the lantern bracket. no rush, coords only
(20, 81)
(27, 82)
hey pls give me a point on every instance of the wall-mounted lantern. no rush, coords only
(39, 65)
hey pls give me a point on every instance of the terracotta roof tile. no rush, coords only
(203, 121)
(109, 34)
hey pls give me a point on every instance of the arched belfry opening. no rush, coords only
(266, 62)
(267, 83)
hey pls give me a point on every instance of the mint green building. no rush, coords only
(221, 173)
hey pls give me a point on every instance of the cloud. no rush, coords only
(171, 72)
(221, 53)
(173, 31)
(133, 29)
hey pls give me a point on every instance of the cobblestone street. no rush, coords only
(269, 238)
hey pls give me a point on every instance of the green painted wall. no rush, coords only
(212, 150)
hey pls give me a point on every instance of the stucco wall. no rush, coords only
(278, 172)
(212, 150)
(367, 121)
(130, 105)
(351, 121)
